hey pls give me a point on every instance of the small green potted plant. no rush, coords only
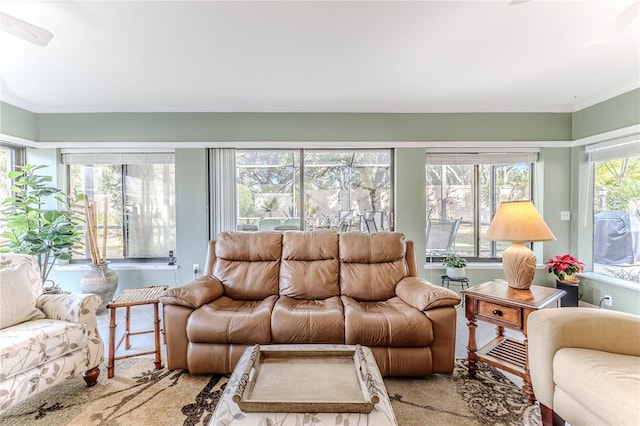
(455, 265)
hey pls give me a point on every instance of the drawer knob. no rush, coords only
(497, 312)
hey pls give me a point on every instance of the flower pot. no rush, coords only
(102, 281)
(571, 298)
(455, 272)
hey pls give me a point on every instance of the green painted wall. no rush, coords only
(17, 122)
(163, 127)
(615, 113)
(192, 214)
(559, 175)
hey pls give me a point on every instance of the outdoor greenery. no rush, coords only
(618, 181)
(48, 234)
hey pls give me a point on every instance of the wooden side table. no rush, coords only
(505, 307)
(128, 298)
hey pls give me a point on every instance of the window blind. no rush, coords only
(614, 149)
(222, 190)
(118, 158)
(438, 158)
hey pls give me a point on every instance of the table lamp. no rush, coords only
(518, 222)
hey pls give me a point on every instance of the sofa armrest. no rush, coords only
(423, 295)
(69, 307)
(78, 308)
(194, 294)
(549, 330)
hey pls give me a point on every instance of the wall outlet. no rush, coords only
(608, 300)
(196, 269)
(565, 215)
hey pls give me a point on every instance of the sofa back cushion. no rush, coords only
(309, 268)
(248, 264)
(372, 264)
(17, 297)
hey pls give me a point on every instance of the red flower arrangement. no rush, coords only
(565, 267)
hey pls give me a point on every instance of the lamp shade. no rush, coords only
(518, 221)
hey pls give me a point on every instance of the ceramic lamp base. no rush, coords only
(519, 264)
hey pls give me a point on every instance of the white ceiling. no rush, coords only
(428, 56)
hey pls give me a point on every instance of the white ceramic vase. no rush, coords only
(102, 281)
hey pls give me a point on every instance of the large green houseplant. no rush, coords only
(47, 234)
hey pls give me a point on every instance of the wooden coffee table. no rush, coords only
(227, 412)
(505, 307)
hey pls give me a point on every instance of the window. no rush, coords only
(138, 193)
(9, 158)
(313, 189)
(467, 189)
(616, 218)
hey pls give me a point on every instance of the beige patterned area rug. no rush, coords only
(140, 395)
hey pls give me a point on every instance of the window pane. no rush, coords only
(140, 220)
(150, 211)
(340, 187)
(616, 226)
(267, 190)
(6, 165)
(498, 183)
(450, 196)
(347, 187)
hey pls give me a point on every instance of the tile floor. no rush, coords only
(142, 319)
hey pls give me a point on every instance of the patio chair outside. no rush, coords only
(441, 236)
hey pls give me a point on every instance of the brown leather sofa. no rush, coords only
(302, 287)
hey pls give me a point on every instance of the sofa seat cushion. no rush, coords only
(226, 320)
(307, 321)
(29, 344)
(604, 382)
(387, 323)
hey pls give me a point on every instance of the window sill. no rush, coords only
(475, 265)
(610, 280)
(119, 267)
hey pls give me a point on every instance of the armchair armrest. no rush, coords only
(423, 295)
(194, 294)
(549, 330)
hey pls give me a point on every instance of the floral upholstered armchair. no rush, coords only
(44, 338)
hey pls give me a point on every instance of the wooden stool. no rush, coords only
(127, 299)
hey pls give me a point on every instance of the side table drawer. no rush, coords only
(496, 313)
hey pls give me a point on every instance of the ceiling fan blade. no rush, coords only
(630, 14)
(24, 30)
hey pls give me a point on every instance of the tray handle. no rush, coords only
(246, 375)
(366, 376)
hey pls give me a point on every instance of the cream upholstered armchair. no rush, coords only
(44, 338)
(585, 366)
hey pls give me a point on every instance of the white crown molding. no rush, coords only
(605, 136)
(151, 146)
(605, 96)
(14, 140)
